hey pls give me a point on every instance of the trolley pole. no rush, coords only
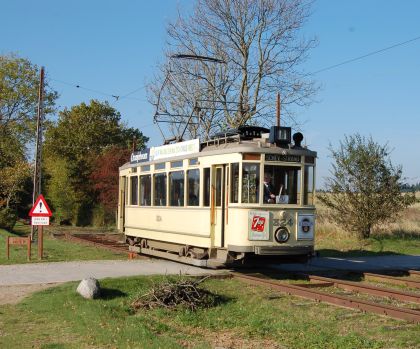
(38, 147)
(278, 109)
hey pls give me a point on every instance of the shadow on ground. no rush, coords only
(111, 293)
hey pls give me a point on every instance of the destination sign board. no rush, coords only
(176, 149)
(166, 151)
(281, 157)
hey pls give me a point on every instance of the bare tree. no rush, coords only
(260, 45)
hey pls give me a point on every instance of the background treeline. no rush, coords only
(83, 147)
(410, 187)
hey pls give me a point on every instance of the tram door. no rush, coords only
(121, 204)
(218, 204)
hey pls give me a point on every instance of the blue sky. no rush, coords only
(113, 47)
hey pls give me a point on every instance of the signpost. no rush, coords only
(18, 241)
(40, 215)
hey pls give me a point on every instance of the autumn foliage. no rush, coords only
(105, 176)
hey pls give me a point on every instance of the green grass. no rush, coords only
(329, 245)
(250, 317)
(55, 250)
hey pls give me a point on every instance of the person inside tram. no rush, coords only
(269, 196)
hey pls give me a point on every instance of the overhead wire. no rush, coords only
(348, 61)
(365, 56)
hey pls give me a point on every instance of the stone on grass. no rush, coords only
(89, 288)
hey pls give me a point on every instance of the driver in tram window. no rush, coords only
(269, 196)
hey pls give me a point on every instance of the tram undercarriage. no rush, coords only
(217, 257)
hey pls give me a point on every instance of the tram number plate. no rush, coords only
(259, 225)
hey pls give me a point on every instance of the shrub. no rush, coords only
(8, 218)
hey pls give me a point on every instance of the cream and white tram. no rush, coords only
(247, 192)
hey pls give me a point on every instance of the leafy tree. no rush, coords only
(79, 136)
(19, 85)
(14, 171)
(106, 175)
(262, 48)
(60, 193)
(364, 188)
(12, 182)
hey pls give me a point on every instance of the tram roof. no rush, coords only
(220, 147)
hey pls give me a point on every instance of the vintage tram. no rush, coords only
(245, 192)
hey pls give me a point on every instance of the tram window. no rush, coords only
(284, 183)
(134, 190)
(126, 190)
(206, 189)
(193, 187)
(308, 188)
(159, 189)
(145, 168)
(160, 166)
(145, 190)
(193, 162)
(176, 164)
(219, 187)
(134, 170)
(176, 188)
(234, 182)
(250, 182)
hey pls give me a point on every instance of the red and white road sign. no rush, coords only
(40, 208)
(40, 212)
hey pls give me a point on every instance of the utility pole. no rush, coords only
(38, 147)
(278, 109)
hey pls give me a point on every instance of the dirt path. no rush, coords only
(14, 294)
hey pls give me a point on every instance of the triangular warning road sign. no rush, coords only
(40, 208)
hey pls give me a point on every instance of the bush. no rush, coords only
(364, 189)
(8, 218)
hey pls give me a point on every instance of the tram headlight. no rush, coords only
(282, 235)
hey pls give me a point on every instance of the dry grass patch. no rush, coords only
(400, 237)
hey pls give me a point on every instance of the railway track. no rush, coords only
(310, 291)
(108, 242)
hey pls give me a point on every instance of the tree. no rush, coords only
(12, 182)
(19, 84)
(14, 171)
(261, 49)
(106, 175)
(72, 145)
(364, 188)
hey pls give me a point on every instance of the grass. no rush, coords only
(250, 317)
(401, 237)
(55, 250)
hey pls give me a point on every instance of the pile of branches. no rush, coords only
(171, 294)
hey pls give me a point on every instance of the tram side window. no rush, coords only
(219, 180)
(206, 189)
(145, 190)
(134, 190)
(159, 189)
(234, 183)
(308, 188)
(283, 182)
(193, 187)
(176, 188)
(250, 182)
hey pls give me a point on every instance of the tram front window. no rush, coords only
(281, 185)
(250, 182)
